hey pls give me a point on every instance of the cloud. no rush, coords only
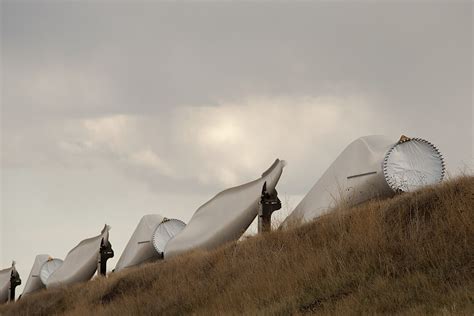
(148, 159)
(253, 132)
(213, 100)
(114, 132)
(210, 146)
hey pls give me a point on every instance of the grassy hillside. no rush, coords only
(412, 254)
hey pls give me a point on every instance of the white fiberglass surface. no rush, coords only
(4, 284)
(48, 268)
(80, 263)
(355, 176)
(139, 248)
(166, 231)
(226, 216)
(413, 164)
(34, 283)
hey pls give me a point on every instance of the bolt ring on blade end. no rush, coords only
(412, 163)
(164, 232)
(48, 268)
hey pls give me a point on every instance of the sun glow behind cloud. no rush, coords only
(219, 145)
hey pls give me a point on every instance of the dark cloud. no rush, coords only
(156, 55)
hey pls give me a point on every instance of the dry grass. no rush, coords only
(413, 254)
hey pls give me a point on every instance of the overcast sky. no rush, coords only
(115, 110)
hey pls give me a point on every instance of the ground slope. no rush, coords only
(412, 254)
